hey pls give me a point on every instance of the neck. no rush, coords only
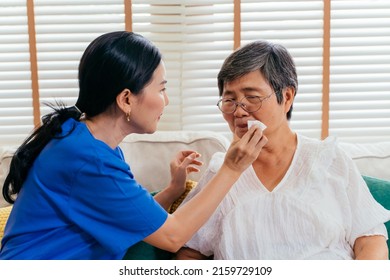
(275, 159)
(279, 145)
(106, 130)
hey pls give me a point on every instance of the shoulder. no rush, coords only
(75, 147)
(76, 135)
(325, 155)
(317, 144)
(326, 149)
(326, 159)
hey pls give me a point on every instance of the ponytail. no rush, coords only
(25, 155)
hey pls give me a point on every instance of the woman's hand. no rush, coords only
(184, 163)
(242, 152)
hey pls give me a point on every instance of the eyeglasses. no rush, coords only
(250, 104)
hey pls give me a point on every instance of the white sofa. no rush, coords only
(149, 155)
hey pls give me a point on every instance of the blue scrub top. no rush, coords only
(79, 201)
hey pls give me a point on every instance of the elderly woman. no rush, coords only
(302, 198)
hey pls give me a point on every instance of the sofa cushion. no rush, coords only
(372, 159)
(4, 213)
(149, 155)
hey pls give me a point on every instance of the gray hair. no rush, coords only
(272, 60)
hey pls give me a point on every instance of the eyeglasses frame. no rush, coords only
(242, 105)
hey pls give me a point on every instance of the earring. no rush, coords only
(128, 116)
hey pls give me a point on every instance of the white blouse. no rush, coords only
(316, 212)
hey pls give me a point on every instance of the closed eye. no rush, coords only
(228, 100)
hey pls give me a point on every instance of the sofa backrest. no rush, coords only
(149, 155)
(372, 159)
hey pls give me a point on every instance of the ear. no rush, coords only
(124, 100)
(289, 95)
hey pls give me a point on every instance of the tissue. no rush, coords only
(256, 122)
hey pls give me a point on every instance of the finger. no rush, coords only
(262, 142)
(186, 153)
(189, 159)
(197, 162)
(252, 136)
(191, 169)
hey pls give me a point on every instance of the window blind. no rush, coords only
(360, 71)
(195, 37)
(63, 31)
(208, 40)
(162, 23)
(16, 113)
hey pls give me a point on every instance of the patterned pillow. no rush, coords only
(4, 213)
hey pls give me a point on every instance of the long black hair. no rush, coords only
(111, 63)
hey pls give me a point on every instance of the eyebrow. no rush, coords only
(163, 82)
(246, 89)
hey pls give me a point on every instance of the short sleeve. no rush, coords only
(368, 216)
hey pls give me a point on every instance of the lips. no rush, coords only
(242, 125)
(242, 128)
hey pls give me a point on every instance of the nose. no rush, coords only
(166, 99)
(240, 112)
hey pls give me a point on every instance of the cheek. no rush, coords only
(155, 104)
(230, 120)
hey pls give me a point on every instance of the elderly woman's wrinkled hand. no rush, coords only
(242, 152)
